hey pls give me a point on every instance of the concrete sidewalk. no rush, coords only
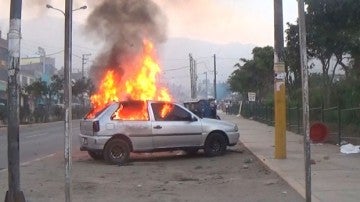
(335, 176)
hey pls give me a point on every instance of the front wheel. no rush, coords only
(117, 151)
(215, 145)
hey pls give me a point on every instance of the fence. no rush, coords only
(343, 124)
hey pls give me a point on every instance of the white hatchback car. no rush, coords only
(143, 126)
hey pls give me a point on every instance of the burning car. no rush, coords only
(123, 127)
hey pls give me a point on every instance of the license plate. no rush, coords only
(84, 141)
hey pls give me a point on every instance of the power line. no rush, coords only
(55, 53)
(167, 70)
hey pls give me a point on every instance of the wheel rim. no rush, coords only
(215, 146)
(117, 152)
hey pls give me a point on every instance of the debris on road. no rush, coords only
(349, 149)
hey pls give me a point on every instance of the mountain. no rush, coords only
(48, 32)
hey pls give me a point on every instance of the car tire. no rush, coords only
(117, 151)
(215, 145)
(96, 155)
(191, 151)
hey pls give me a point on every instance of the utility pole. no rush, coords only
(195, 78)
(191, 76)
(14, 194)
(84, 61)
(305, 98)
(214, 76)
(206, 85)
(68, 97)
(279, 83)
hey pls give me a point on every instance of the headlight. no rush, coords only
(236, 127)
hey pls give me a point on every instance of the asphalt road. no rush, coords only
(38, 141)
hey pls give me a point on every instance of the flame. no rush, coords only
(139, 82)
(165, 110)
(132, 113)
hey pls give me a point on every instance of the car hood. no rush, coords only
(225, 125)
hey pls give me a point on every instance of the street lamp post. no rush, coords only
(67, 92)
(51, 7)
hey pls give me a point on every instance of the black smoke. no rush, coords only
(122, 25)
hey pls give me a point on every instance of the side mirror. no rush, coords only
(193, 119)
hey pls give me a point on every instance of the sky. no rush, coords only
(216, 21)
(225, 21)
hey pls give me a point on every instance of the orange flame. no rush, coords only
(165, 110)
(139, 82)
(132, 113)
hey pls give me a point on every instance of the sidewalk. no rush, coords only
(335, 176)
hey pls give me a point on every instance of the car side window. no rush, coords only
(131, 111)
(169, 112)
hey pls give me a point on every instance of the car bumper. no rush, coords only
(92, 143)
(233, 138)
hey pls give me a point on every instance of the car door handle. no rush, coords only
(157, 127)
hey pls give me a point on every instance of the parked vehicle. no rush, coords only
(143, 126)
(204, 108)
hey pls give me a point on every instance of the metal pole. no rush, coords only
(339, 125)
(84, 60)
(214, 76)
(279, 83)
(195, 79)
(68, 96)
(191, 76)
(305, 98)
(206, 84)
(14, 37)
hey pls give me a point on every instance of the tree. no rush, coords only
(55, 87)
(255, 75)
(332, 36)
(292, 64)
(44, 94)
(81, 87)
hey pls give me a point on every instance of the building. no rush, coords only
(31, 68)
(38, 67)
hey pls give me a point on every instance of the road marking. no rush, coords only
(37, 135)
(32, 161)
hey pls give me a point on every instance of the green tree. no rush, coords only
(292, 64)
(55, 87)
(81, 87)
(332, 36)
(255, 75)
(44, 94)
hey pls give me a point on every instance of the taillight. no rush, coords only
(96, 126)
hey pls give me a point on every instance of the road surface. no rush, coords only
(38, 141)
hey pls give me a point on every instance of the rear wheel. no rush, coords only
(117, 151)
(215, 145)
(96, 155)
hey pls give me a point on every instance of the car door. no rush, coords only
(132, 119)
(173, 126)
